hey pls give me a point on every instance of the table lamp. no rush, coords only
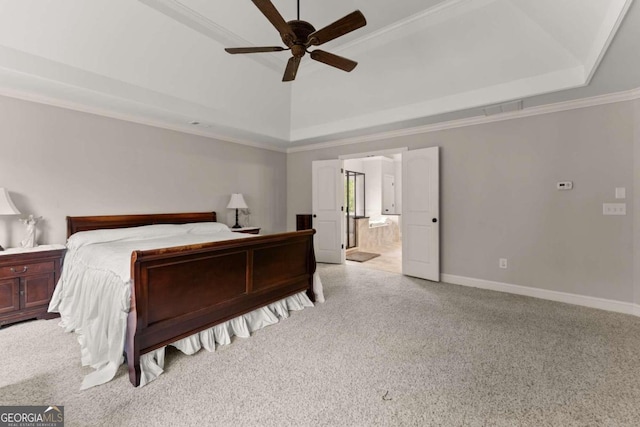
(7, 207)
(237, 202)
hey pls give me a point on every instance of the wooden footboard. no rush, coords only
(180, 291)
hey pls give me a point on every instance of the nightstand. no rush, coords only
(27, 280)
(246, 230)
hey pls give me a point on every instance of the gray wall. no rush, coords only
(57, 162)
(636, 204)
(498, 196)
(499, 199)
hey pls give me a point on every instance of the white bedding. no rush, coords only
(94, 293)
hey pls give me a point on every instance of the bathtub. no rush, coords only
(376, 233)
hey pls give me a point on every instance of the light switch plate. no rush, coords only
(621, 193)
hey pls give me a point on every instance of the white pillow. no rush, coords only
(204, 227)
(83, 238)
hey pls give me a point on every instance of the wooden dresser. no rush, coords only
(27, 280)
(304, 222)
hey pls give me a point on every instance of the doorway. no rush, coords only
(373, 229)
(415, 204)
(355, 185)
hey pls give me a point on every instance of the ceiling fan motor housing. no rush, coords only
(301, 29)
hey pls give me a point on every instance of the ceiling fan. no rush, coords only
(299, 35)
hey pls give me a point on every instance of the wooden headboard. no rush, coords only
(86, 223)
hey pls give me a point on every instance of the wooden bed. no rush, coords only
(179, 291)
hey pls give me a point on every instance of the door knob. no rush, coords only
(314, 215)
(434, 220)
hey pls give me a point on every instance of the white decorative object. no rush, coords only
(30, 239)
(245, 215)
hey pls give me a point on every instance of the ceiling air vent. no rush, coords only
(507, 107)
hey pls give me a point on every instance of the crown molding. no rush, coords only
(597, 55)
(406, 23)
(629, 95)
(403, 25)
(177, 11)
(468, 101)
(594, 101)
(53, 102)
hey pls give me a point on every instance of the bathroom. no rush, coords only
(373, 190)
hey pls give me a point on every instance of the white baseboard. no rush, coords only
(586, 301)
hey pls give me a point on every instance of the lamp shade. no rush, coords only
(237, 202)
(6, 205)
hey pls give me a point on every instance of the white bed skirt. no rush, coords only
(98, 315)
(152, 364)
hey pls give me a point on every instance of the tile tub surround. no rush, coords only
(377, 235)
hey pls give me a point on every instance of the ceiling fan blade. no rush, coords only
(333, 60)
(271, 13)
(291, 70)
(342, 26)
(234, 50)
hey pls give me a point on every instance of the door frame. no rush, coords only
(373, 153)
(385, 152)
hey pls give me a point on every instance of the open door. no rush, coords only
(420, 213)
(328, 210)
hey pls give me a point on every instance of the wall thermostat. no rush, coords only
(564, 185)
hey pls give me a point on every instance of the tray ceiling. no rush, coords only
(162, 61)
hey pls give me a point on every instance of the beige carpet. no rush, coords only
(383, 350)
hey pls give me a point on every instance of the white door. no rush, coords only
(420, 214)
(328, 210)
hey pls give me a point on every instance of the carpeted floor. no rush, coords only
(383, 350)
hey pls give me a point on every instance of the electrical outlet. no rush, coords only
(503, 263)
(614, 209)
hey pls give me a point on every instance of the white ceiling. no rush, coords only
(162, 61)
